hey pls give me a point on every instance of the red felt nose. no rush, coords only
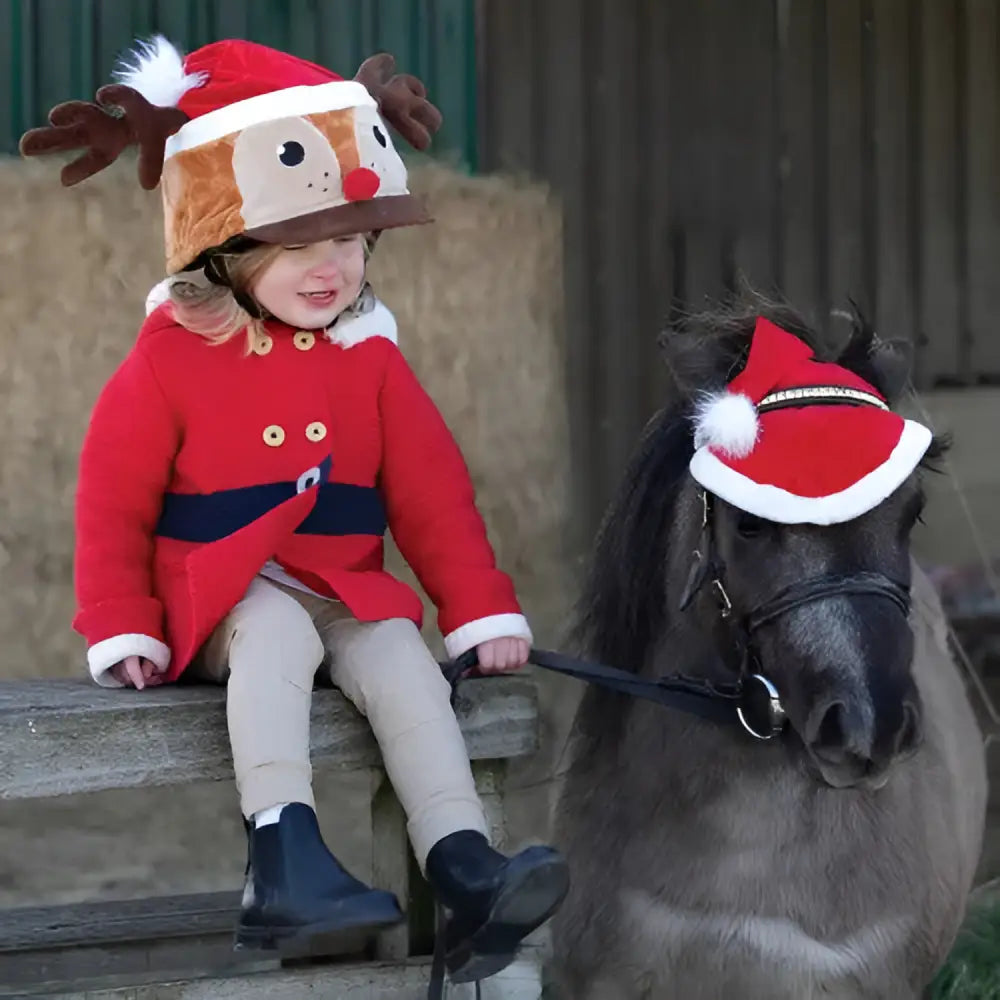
(360, 183)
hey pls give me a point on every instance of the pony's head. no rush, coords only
(764, 527)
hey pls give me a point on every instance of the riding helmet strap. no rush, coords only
(218, 274)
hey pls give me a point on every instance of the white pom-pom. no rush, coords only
(156, 70)
(727, 422)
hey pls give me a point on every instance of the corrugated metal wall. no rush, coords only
(54, 50)
(825, 147)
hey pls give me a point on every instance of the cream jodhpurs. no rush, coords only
(269, 648)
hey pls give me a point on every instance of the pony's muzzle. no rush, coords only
(851, 746)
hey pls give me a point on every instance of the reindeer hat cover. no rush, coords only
(796, 440)
(250, 141)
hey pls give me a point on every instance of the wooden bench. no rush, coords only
(63, 737)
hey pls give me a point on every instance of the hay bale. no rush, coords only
(478, 299)
(75, 266)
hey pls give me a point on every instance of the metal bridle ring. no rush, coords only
(776, 716)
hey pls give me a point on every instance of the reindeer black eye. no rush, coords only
(749, 525)
(379, 136)
(291, 154)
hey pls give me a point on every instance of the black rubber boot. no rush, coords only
(296, 889)
(493, 902)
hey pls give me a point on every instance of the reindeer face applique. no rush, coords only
(294, 166)
(252, 141)
(283, 169)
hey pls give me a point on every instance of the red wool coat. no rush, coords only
(201, 463)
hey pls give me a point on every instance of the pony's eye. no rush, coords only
(379, 136)
(912, 514)
(749, 525)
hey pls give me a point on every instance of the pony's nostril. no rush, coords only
(909, 735)
(831, 734)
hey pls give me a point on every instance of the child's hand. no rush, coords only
(499, 656)
(138, 672)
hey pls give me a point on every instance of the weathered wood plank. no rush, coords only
(746, 116)
(846, 210)
(617, 211)
(804, 167)
(939, 284)
(895, 204)
(44, 971)
(118, 920)
(981, 130)
(367, 981)
(694, 179)
(61, 737)
(390, 864)
(61, 947)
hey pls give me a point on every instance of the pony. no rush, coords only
(833, 861)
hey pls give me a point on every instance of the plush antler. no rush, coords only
(105, 135)
(402, 100)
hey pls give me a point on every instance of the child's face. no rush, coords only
(310, 286)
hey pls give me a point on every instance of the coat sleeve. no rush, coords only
(433, 517)
(125, 466)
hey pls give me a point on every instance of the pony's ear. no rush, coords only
(886, 364)
(697, 359)
(892, 364)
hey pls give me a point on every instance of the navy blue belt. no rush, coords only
(341, 509)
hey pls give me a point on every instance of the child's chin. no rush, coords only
(313, 319)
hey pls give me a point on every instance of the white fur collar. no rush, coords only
(158, 294)
(351, 330)
(348, 331)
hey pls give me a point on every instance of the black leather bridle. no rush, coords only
(751, 699)
(760, 710)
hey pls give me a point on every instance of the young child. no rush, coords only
(244, 461)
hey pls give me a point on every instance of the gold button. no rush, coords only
(262, 345)
(304, 340)
(274, 435)
(316, 431)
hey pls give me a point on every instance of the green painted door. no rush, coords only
(55, 50)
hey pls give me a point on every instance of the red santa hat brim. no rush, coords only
(816, 465)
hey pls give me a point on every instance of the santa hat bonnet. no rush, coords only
(797, 440)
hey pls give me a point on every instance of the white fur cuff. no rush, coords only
(471, 634)
(103, 655)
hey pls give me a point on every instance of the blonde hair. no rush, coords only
(212, 310)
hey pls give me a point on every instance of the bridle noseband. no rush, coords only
(760, 710)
